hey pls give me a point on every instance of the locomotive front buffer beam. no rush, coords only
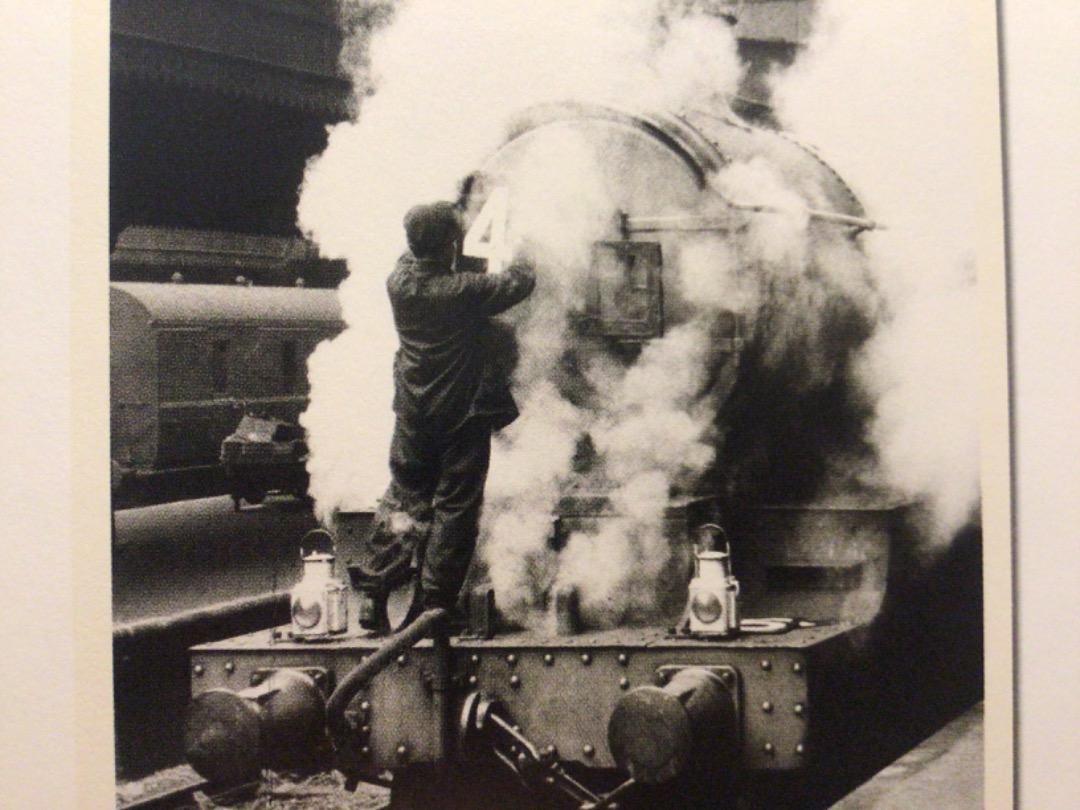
(640, 706)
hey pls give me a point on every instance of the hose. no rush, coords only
(432, 622)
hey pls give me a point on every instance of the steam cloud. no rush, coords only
(910, 158)
(448, 74)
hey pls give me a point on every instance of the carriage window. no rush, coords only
(289, 374)
(219, 366)
(626, 297)
(183, 375)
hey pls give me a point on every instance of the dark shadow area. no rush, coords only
(189, 158)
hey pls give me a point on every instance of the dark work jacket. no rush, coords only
(447, 368)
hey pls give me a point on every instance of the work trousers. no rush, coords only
(448, 471)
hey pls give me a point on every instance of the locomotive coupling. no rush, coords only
(486, 727)
(658, 734)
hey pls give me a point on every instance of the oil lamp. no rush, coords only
(713, 606)
(319, 602)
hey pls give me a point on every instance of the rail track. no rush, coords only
(188, 791)
(165, 790)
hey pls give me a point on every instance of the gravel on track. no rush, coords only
(324, 791)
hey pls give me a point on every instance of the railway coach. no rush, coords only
(188, 361)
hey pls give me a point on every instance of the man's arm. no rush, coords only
(497, 293)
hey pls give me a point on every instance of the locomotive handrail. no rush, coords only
(862, 223)
(691, 222)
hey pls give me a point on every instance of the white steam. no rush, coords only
(885, 91)
(447, 74)
(615, 569)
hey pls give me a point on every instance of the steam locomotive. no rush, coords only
(794, 639)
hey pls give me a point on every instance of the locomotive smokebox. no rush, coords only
(277, 723)
(658, 734)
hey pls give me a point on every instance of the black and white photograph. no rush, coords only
(556, 405)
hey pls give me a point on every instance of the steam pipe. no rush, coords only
(429, 622)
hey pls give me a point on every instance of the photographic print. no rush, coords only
(555, 405)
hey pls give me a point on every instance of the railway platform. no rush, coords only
(944, 772)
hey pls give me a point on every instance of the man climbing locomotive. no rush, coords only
(449, 395)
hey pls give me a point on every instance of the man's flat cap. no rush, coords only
(430, 228)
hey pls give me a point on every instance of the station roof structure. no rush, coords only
(284, 52)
